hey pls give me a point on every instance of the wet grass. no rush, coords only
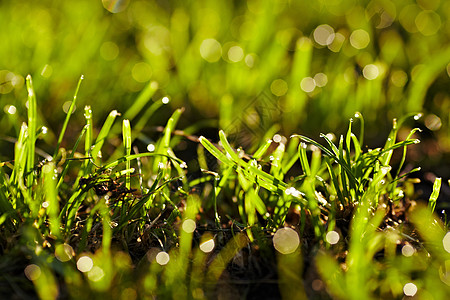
(224, 150)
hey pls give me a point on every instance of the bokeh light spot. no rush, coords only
(151, 147)
(109, 51)
(324, 34)
(410, 289)
(208, 245)
(446, 242)
(359, 39)
(162, 258)
(115, 6)
(189, 225)
(10, 109)
(320, 79)
(47, 71)
(165, 100)
(235, 54)
(279, 87)
(6, 81)
(85, 264)
(433, 122)
(129, 294)
(33, 272)
(66, 107)
(428, 22)
(337, 43)
(399, 78)
(96, 274)
(371, 72)
(141, 72)
(408, 250)
(286, 240)
(210, 50)
(277, 138)
(308, 84)
(250, 60)
(64, 252)
(332, 237)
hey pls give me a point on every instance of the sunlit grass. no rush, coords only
(119, 187)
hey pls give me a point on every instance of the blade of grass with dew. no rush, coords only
(262, 149)
(66, 121)
(48, 171)
(32, 115)
(103, 134)
(216, 152)
(164, 142)
(276, 167)
(126, 132)
(303, 159)
(18, 173)
(89, 132)
(72, 206)
(435, 194)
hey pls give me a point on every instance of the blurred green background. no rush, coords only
(245, 66)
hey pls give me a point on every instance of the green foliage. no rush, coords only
(98, 217)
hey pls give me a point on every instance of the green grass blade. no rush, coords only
(32, 116)
(216, 152)
(359, 116)
(325, 150)
(89, 131)
(103, 134)
(331, 144)
(304, 159)
(51, 198)
(143, 98)
(261, 150)
(435, 194)
(228, 149)
(66, 121)
(126, 131)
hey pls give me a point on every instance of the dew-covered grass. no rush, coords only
(254, 149)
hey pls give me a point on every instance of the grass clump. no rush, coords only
(318, 220)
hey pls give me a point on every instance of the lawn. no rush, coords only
(224, 149)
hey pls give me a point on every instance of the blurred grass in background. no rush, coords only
(304, 66)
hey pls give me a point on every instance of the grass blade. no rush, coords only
(435, 194)
(66, 121)
(103, 134)
(32, 115)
